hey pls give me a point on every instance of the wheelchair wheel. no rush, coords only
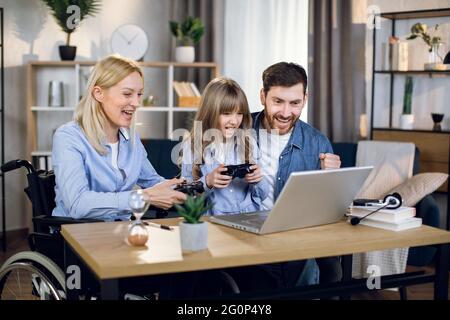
(31, 276)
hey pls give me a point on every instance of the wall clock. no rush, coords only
(129, 41)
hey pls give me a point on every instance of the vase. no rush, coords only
(193, 236)
(185, 54)
(56, 93)
(435, 57)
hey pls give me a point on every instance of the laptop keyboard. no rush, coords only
(254, 219)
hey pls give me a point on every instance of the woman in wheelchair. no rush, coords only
(98, 158)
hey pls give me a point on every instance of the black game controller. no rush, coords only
(238, 170)
(192, 188)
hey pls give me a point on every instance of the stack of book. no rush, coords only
(399, 219)
(188, 94)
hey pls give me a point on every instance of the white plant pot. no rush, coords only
(407, 121)
(194, 237)
(185, 54)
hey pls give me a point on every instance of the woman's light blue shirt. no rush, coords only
(87, 185)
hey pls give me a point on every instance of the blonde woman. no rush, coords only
(224, 114)
(97, 158)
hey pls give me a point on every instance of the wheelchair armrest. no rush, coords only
(58, 221)
(157, 213)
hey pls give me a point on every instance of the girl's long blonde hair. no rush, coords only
(221, 95)
(89, 113)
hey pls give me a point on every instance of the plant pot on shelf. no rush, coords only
(185, 54)
(67, 53)
(193, 236)
(407, 121)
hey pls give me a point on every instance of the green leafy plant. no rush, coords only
(421, 30)
(189, 31)
(407, 98)
(193, 208)
(65, 15)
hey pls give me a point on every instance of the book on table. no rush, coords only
(408, 223)
(399, 219)
(385, 215)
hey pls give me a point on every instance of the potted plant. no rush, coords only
(68, 15)
(433, 42)
(407, 118)
(187, 33)
(193, 232)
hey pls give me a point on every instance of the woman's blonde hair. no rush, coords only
(221, 95)
(89, 113)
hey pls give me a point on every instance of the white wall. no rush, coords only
(430, 95)
(29, 29)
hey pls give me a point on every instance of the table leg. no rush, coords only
(442, 264)
(71, 261)
(346, 262)
(109, 289)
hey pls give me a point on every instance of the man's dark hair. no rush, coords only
(284, 74)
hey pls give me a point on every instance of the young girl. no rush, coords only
(220, 137)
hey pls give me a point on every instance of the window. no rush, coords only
(259, 33)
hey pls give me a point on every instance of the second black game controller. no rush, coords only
(190, 188)
(238, 170)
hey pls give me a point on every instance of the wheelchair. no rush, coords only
(38, 274)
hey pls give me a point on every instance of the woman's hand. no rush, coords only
(255, 176)
(216, 179)
(163, 196)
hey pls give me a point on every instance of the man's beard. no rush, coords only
(271, 120)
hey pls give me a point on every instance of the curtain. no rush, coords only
(259, 33)
(209, 49)
(336, 69)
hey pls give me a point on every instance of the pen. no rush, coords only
(156, 225)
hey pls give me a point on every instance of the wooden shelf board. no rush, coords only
(52, 109)
(153, 109)
(417, 14)
(185, 109)
(155, 64)
(413, 130)
(426, 72)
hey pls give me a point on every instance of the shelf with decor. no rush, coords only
(394, 75)
(158, 120)
(391, 69)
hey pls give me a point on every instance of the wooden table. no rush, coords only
(103, 249)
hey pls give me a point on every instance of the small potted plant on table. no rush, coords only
(193, 232)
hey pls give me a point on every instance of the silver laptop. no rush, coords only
(309, 198)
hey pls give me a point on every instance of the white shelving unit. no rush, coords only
(43, 119)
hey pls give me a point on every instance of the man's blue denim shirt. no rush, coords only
(301, 152)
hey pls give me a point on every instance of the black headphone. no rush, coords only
(391, 201)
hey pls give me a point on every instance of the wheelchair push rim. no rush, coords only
(24, 281)
(31, 275)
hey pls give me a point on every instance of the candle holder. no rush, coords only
(437, 119)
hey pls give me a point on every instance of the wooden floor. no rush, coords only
(419, 292)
